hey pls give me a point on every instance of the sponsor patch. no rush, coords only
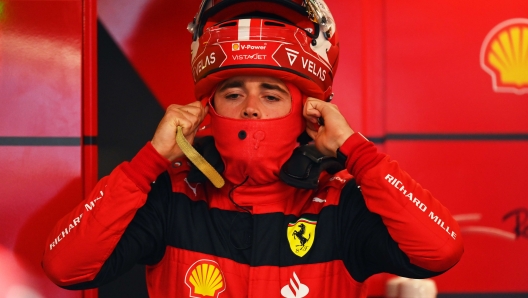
(295, 289)
(205, 279)
(301, 236)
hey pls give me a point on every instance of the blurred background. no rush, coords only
(441, 86)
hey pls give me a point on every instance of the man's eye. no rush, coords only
(272, 98)
(232, 96)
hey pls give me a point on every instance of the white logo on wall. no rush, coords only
(295, 289)
(503, 55)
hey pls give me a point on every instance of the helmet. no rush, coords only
(293, 40)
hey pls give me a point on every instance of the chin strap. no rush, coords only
(303, 168)
(198, 160)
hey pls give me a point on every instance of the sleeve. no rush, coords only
(83, 240)
(421, 233)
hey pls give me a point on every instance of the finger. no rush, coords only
(196, 104)
(193, 110)
(312, 133)
(309, 98)
(186, 125)
(179, 117)
(312, 108)
(198, 107)
(188, 117)
(312, 126)
(310, 116)
(202, 111)
(313, 120)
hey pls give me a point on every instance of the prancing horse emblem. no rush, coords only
(301, 236)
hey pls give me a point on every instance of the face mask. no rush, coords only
(256, 149)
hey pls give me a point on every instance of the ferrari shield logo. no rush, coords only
(301, 236)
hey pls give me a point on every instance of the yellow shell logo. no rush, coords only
(301, 236)
(236, 47)
(205, 279)
(504, 55)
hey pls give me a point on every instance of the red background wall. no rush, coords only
(47, 124)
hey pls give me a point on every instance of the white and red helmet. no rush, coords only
(293, 40)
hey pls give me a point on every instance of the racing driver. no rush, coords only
(280, 197)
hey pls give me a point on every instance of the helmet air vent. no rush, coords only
(269, 23)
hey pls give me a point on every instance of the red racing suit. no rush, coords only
(279, 241)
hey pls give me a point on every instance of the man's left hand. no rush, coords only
(335, 130)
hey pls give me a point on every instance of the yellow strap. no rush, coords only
(198, 160)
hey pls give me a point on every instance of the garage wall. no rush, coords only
(47, 131)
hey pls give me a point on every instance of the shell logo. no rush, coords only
(504, 55)
(235, 46)
(205, 279)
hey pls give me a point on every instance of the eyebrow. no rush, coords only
(231, 84)
(273, 87)
(239, 84)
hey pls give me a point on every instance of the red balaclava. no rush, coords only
(256, 149)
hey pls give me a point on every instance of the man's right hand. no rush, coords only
(188, 117)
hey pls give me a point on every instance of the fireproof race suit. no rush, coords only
(279, 241)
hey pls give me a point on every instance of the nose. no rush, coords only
(251, 108)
